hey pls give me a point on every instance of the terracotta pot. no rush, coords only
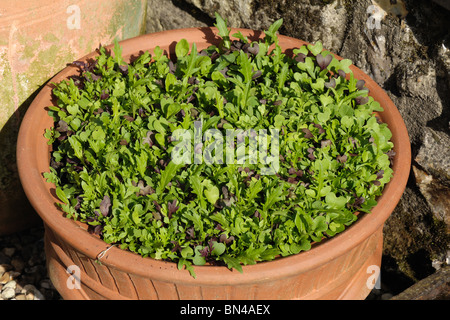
(37, 39)
(339, 268)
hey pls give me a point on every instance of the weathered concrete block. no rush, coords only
(37, 39)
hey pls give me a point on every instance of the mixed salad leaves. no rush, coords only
(113, 139)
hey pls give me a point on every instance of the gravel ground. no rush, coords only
(23, 274)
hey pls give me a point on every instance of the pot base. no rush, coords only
(81, 286)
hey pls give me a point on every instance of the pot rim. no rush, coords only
(33, 159)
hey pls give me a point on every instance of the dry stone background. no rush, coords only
(404, 45)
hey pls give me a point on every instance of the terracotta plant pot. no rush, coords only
(343, 267)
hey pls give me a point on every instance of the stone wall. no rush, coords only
(404, 46)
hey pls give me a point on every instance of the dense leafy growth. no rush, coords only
(113, 139)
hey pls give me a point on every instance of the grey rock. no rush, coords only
(443, 3)
(18, 264)
(10, 284)
(412, 238)
(415, 79)
(9, 251)
(237, 12)
(386, 296)
(436, 194)
(32, 293)
(165, 15)
(434, 154)
(46, 284)
(4, 268)
(434, 287)
(4, 259)
(5, 278)
(419, 102)
(8, 293)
